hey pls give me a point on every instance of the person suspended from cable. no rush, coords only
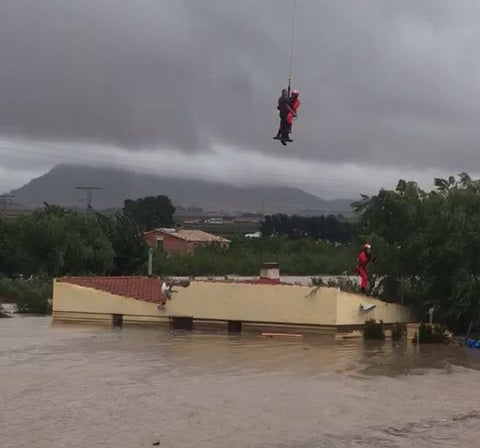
(284, 109)
(294, 103)
(287, 106)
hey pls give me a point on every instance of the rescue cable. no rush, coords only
(292, 42)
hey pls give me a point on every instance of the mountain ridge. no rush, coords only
(58, 186)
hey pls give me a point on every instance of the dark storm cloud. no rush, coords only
(381, 82)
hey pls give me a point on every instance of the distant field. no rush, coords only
(225, 229)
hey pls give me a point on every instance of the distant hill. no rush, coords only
(58, 187)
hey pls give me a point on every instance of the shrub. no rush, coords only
(347, 285)
(244, 257)
(431, 334)
(30, 296)
(373, 330)
(3, 313)
(317, 281)
(398, 331)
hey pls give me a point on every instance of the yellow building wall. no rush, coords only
(349, 312)
(265, 305)
(76, 303)
(255, 303)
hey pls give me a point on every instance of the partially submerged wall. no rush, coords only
(73, 303)
(349, 311)
(256, 305)
(289, 304)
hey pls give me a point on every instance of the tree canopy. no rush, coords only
(151, 211)
(56, 242)
(315, 228)
(428, 245)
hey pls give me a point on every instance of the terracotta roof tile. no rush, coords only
(140, 288)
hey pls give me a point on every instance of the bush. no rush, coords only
(431, 334)
(244, 257)
(373, 330)
(398, 331)
(30, 296)
(3, 313)
(34, 300)
(8, 290)
(317, 281)
(347, 285)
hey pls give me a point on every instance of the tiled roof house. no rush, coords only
(182, 241)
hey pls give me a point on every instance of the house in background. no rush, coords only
(154, 238)
(182, 241)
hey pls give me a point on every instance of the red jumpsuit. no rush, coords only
(361, 268)
(295, 104)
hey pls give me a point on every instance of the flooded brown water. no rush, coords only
(89, 387)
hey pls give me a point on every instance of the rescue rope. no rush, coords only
(292, 42)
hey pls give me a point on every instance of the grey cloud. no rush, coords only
(387, 83)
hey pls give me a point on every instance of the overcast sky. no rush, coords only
(389, 89)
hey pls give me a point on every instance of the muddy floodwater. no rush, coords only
(91, 387)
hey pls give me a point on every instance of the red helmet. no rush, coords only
(295, 92)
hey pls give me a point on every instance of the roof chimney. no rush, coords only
(270, 271)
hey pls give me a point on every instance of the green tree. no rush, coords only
(314, 228)
(428, 245)
(127, 242)
(244, 257)
(150, 212)
(58, 242)
(11, 255)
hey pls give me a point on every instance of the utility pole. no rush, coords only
(89, 195)
(4, 198)
(150, 259)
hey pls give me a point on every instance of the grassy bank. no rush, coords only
(244, 257)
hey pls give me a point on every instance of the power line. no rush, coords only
(89, 195)
(4, 198)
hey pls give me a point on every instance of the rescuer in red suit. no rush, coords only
(364, 257)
